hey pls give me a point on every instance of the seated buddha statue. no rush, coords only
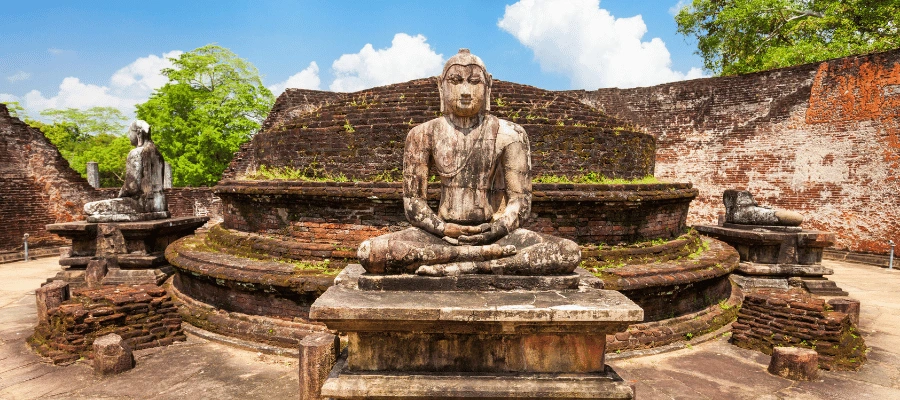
(141, 197)
(484, 166)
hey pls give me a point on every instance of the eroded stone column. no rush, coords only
(93, 174)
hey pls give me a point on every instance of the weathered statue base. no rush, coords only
(118, 253)
(778, 256)
(436, 342)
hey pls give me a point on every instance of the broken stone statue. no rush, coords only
(142, 197)
(484, 165)
(740, 208)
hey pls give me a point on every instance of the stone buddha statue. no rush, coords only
(141, 197)
(484, 166)
(741, 208)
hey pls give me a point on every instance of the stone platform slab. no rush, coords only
(346, 308)
(756, 269)
(345, 384)
(772, 244)
(133, 252)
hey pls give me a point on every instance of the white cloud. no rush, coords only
(128, 86)
(18, 76)
(409, 57)
(673, 11)
(306, 79)
(593, 48)
(142, 77)
(7, 98)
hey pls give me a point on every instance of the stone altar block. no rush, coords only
(130, 252)
(773, 255)
(463, 343)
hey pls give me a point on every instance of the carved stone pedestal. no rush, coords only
(485, 344)
(129, 252)
(778, 256)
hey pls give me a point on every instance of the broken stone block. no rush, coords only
(96, 270)
(112, 355)
(318, 352)
(847, 306)
(795, 363)
(110, 240)
(50, 296)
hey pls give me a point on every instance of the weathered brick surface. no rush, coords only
(339, 215)
(772, 318)
(822, 139)
(362, 134)
(678, 326)
(143, 315)
(37, 187)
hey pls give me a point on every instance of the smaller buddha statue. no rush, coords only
(141, 197)
(740, 208)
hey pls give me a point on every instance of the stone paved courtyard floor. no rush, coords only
(200, 369)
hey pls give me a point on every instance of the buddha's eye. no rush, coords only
(455, 79)
(474, 80)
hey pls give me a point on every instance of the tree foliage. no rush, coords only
(214, 101)
(741, 36)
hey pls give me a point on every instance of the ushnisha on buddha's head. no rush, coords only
(139, 133)
(465, 86)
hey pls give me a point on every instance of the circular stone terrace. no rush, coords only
(324, 174)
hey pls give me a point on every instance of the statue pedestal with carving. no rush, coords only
(118, 253)
(453, 337)
(776, 256)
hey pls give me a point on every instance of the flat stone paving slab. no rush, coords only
(198, 369)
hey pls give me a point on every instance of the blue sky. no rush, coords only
(80, 54)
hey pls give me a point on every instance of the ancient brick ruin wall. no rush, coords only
(770, 319)
(37, 187)
(334, 216)
(145, 316)
(194, 202)
(822, 139)
(361, 135)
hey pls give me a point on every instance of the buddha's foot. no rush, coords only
(448, 269)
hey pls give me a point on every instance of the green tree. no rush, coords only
(93, 121)
(214, 101)
(741, 36)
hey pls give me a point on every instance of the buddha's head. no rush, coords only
(139, 133)
(465, 86)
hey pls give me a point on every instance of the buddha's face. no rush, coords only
(464, 90)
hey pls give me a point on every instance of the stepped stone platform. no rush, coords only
(526, 343)
(777, 256)
(130, 252)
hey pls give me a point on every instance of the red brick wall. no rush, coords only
(37, 187)
(822, 139)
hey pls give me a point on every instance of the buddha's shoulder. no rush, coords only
(511, 132)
